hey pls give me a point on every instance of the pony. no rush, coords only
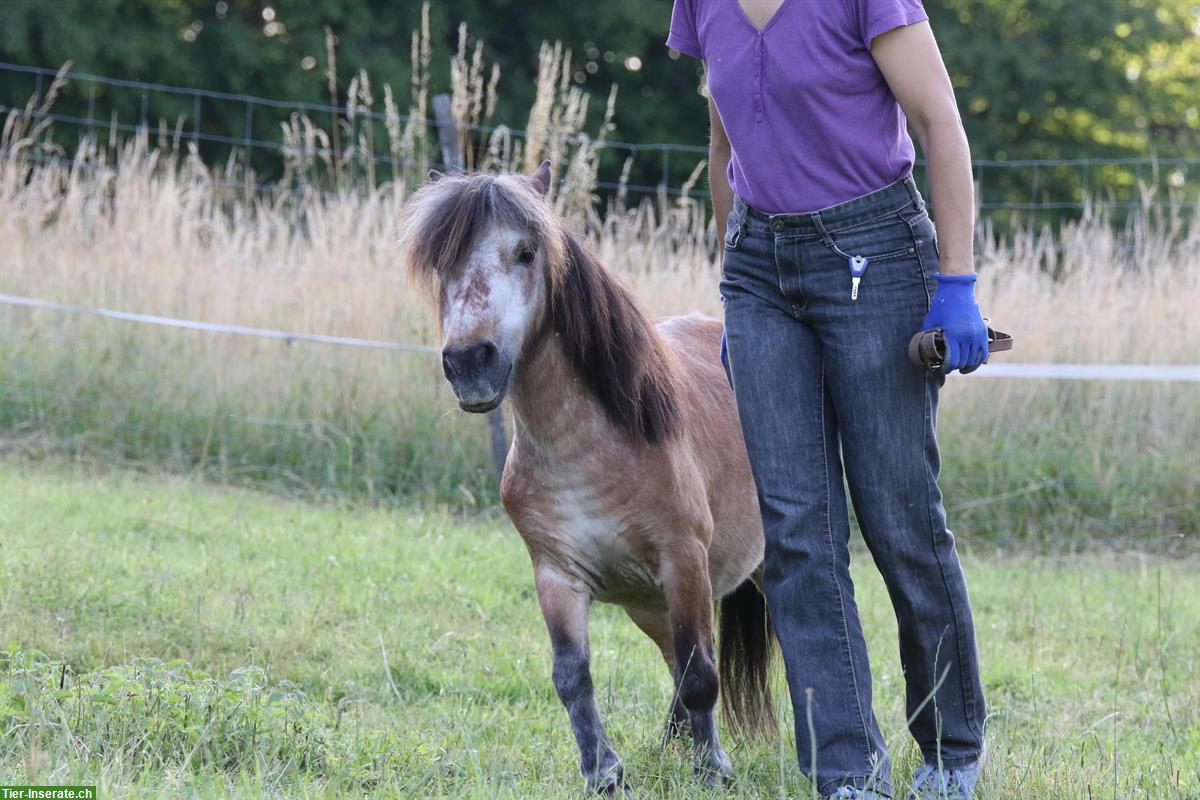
(627, 476)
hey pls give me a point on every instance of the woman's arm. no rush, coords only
(913, 68)
(719, 153)
(910, 61)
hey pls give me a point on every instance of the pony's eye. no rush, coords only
(526, 256)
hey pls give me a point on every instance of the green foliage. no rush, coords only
(1036, 78)
(1074, 78)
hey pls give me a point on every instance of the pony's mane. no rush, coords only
(607, 338)
(442, 222)
(614, 348)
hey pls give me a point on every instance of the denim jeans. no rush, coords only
(824, 390)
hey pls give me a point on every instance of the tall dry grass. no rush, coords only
(143, 225)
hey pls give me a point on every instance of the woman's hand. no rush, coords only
(955, 311)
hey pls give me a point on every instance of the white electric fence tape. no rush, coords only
(1101, 372)
(214, 327)
(1093, 372)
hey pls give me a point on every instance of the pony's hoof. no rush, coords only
(611, 783)
(615, 788)
(715, 773)
(716, 780)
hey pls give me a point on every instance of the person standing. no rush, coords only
(831, 263)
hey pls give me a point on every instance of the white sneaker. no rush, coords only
(931, 782)
(855, 793)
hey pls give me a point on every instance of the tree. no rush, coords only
(1035, 78)
(1074, 78)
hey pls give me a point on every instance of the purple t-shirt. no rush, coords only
(810, 117)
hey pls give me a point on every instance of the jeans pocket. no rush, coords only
(881, 239)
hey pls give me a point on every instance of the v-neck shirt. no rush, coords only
(810, 118)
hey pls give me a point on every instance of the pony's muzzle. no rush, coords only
(478, 372)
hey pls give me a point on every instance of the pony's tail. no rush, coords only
(745, 659)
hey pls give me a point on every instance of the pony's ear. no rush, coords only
(435, 176)
(542, 177)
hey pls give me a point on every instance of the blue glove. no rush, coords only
(955, 311)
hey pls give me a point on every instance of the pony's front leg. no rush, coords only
(689, 603)
(565, 606)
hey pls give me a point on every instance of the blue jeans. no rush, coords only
(824, 390)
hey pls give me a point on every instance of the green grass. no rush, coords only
(392, 431)
(1016, 467)
(165, 638)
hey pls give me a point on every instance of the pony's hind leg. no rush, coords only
(657, 625)
(689, 602)
(565, 608)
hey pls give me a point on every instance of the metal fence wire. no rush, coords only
(218, 123)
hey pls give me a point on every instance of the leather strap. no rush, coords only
(999, 342)
(928, 348)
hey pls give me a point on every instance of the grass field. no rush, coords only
(369, 627)
(165, 638)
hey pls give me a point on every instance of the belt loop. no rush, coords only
(736, 224)
(910, 183)
(826, 239)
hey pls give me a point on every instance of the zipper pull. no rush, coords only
(858, 267)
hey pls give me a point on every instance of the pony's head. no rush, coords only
(505, 274)
(483, 245)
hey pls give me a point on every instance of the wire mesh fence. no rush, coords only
(249, 128)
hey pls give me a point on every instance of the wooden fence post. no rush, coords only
(448, 141)
(452, 157)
